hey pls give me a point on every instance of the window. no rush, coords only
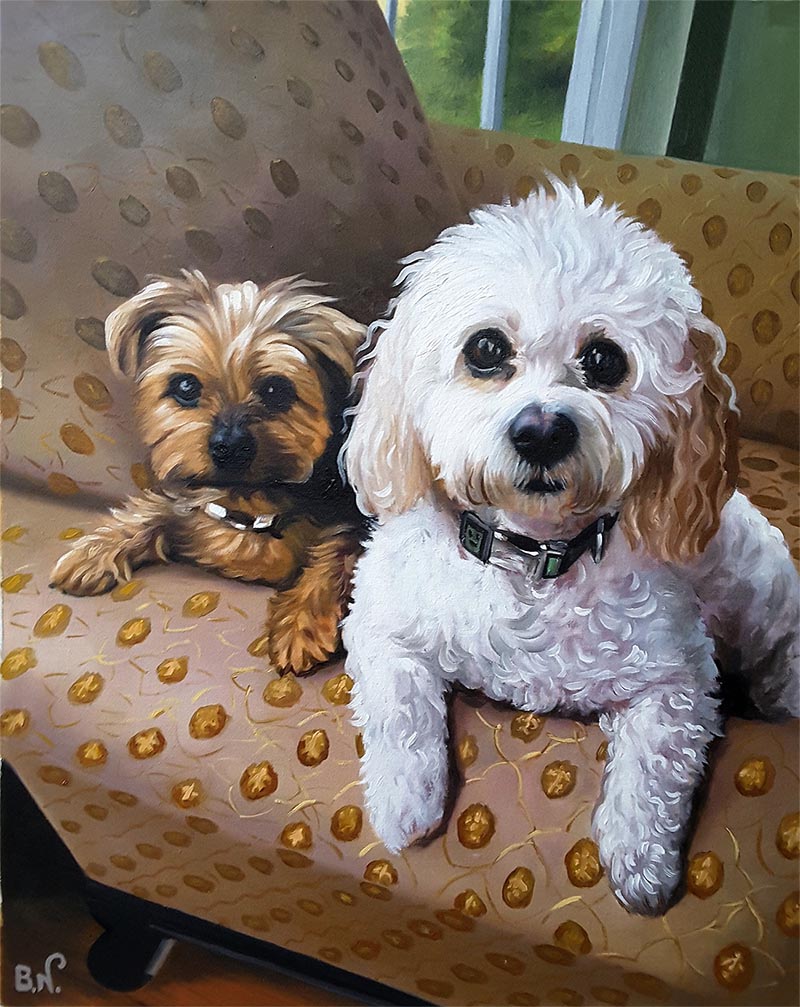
(443, 43)
(713, 80)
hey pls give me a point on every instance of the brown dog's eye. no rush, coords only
(277, 393)
(603, 363)
(486, 351)
(185, 389)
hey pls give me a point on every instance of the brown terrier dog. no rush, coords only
(239, 399)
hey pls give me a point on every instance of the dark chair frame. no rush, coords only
(138, 934)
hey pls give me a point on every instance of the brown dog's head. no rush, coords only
(236, 385)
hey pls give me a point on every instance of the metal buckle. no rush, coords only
(263, 522)
(215, 510)
(550, 559)
(546, 557)
(599, 547)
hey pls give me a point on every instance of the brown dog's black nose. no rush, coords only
(232, 447)
(543, 438)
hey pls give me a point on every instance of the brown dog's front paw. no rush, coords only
(85, 570)
(300, 639)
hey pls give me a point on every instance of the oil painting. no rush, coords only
(400, 531)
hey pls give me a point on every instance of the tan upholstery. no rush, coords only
(146, 723)
(177, 767)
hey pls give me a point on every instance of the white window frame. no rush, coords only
(391, 15)
(599, 90)
(495, 63)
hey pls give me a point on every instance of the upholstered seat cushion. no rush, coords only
(254, 139)
(178, 767)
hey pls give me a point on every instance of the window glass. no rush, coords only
(541, 46)
(757, 107)
(443, 42)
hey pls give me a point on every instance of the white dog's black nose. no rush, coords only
(543, 438)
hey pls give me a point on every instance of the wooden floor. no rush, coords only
(43, 913)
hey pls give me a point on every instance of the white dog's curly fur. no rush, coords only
(631, 638)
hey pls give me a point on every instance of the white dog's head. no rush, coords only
(550, 361)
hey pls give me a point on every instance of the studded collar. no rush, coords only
(545, 560)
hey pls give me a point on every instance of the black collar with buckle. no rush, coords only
(324, 499)
(550, 559)
(273, 524)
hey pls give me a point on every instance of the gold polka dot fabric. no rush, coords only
(769, 477)
(146, 723)
(246, 139)
(178, 767)
(736, 230)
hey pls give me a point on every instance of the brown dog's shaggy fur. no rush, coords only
(239, 399)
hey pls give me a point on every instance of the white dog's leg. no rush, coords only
(400, 706)
(656, 758)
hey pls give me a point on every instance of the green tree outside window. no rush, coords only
(443, 41)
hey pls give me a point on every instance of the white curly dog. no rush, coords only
(547, 443)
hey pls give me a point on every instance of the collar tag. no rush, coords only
(599, 546)
(475, 536)
(550, 559)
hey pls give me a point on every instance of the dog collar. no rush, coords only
(241, 521)
(550, 558)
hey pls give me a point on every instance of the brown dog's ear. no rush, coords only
(129, 325)
(674, 511)
(331, 335)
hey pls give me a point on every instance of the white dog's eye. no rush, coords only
(603, 363)
(486, 351)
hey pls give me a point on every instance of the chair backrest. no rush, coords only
(246, 139)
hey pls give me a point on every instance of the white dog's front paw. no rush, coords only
(404, 811)
(644, 877)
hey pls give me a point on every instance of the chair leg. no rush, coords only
(126, 959)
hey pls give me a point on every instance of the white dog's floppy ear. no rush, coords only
(385, 462)
(674, 510)
(129, 325)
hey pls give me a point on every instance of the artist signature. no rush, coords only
(24, 981)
